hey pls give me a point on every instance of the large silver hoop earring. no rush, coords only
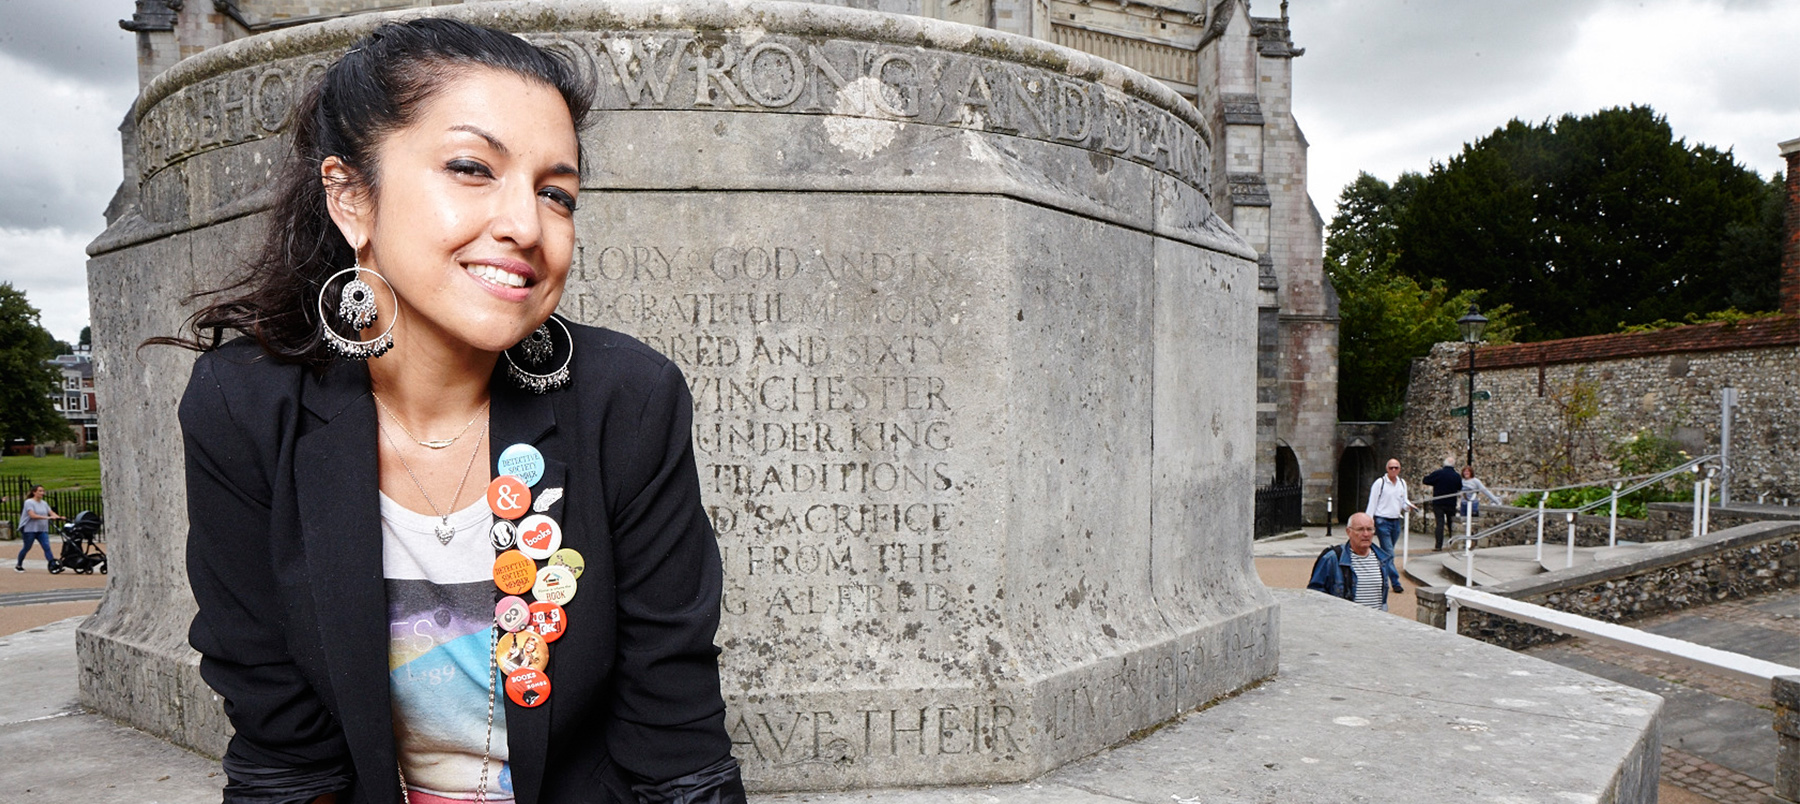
(536, 352)
(356, 306)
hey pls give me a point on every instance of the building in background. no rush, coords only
(1235, 67)
(75, 399)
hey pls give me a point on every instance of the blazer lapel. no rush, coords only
(519, 417)
(337, 491)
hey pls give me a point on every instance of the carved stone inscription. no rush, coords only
(728, 71)
(825, 420)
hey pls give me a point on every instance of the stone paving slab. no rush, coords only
(58, 753)
(1367, 707)
(1729, 733)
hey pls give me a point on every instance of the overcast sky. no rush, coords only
(1385, 86)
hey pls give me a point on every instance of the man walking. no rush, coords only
(1387, 501)
(1357, 570)
(1446, 486)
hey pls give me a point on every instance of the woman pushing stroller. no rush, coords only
(34, 523)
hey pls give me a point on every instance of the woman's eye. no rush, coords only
(560, 196)
(468, 167)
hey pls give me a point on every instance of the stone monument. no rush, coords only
(972, 358)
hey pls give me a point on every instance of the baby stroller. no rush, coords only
(81, 549)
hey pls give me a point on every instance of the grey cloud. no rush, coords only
(80, 40)
(1395, 58)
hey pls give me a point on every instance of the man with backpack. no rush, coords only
(1357, 570)
(1446, 487)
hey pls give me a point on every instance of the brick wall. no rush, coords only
(1668, 381)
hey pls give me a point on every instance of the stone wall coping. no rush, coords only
(1653, 556)
(1786, 691)
(1766, 512)
(766, 16)
(1722, 336)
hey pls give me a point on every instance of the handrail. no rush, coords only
(1737, 665)
(1648, 481)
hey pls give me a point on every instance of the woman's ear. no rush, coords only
(346, 201)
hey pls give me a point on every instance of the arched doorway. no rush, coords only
(1287, 466)
(1355, 473)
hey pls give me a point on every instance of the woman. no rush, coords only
(35, 525)
(1472, 489)
(384, 623)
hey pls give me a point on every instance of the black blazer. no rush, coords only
(284, 556)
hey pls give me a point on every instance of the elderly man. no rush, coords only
(1387, 503)
(1357, 570)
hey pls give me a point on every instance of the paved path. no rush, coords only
(1716, 729)
(1719, 746)
(35, 597)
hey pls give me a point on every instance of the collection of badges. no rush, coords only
(531, 561)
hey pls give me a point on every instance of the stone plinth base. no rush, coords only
(1367, 707)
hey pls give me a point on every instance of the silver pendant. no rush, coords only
(356, 304)
(444, 532)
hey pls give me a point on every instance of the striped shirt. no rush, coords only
(1368, 580)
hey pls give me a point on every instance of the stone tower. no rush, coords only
(1259, 187)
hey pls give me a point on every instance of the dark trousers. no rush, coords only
(1444, 520)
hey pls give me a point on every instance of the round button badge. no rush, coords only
(555, 584)
(503, 535)
(514, 573)
(568, 557)
(512, 614)
(522, 649)
(508, 497)
(539, 536)
(524, 462)
(527, 687)
(548, 620)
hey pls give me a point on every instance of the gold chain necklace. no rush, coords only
(444, 531)
(439, 443)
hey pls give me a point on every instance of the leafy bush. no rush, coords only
(1643, 453)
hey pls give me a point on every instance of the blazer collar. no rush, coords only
(337, 476)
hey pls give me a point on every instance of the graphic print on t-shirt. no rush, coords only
(440, 632)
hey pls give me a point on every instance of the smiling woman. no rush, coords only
(380, 627)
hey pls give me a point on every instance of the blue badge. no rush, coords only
(524, 462)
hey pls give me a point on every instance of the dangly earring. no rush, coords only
(537, 350)
(356, 307)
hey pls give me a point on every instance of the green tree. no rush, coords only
(26, 410)
(1590, 223)
(1387, 319)
(87, 336)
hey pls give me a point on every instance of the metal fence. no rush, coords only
(67, 502)
(1277, 509)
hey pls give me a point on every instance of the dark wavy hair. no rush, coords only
(376, 89)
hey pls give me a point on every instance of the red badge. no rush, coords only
(527, 687)
(548, 620)
(509, 497)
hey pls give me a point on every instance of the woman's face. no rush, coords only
(473, 220)
(37, 492)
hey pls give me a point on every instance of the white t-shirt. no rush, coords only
(440, 649)
(1387, 499)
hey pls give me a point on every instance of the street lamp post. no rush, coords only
(1472, 324)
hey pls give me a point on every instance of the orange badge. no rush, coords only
(527, 687)
(509, 497)
(523, 649)
(514, 573)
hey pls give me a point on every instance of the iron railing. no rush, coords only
(1277, 509)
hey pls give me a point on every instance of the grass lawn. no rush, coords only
(55, 472)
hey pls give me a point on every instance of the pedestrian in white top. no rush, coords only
(1387, 502)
